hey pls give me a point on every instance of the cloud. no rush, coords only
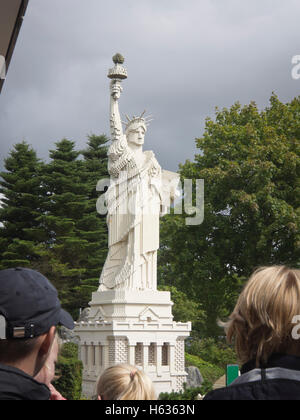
(183, 59)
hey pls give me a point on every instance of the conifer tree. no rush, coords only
(77, 236)
(20, 231)
(65, 253)
(93, 227)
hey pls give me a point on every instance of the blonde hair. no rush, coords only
(262, 321)
(125, 382)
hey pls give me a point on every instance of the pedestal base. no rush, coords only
(134, 328)
(131, 306)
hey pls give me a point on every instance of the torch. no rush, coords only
(118, 73)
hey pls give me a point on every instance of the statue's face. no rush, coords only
(136, 135)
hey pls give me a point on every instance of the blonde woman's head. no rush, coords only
(262, 321)
(125, 382)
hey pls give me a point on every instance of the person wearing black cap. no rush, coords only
(30, 309)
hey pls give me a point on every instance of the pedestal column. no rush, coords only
(172, 358)
(159, 359)
(105, 354)
(146, 357)
(131, 354)
(90, 357)
(83, 355)
(98, 358)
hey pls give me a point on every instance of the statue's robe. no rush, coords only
(134, 205)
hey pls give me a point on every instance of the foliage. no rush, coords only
(65, 207)
(185, 309)
(190, 394)
(69, 351)
(20, 232)
(69, 370)
(216, 352)
(93, 227)
(210, 372)
(49, 219)
(250, 162)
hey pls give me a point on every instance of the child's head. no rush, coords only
(262, 321)
(125, 382)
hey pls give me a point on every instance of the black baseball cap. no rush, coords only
(29, 303)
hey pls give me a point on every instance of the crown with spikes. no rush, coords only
(137, 120)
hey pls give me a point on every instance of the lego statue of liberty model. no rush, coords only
(129, 320)
(134, 199)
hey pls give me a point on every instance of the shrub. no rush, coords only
(69, 370)
(216, 352)
(69, 351)
(210, 372)
(186, 395)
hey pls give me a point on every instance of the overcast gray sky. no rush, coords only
(183, 58)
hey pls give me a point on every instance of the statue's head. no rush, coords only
(136, 134)
(136, 129)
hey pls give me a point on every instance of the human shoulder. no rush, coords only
(217, 395)
(18, 385)
(272, 389)
(246, 391)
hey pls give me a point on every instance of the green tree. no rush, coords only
(250, 162)
(64, 255)
(93, 227)
(185, 309)
(76, 247)
(216, 352)
(49, 220)
(20, 231)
